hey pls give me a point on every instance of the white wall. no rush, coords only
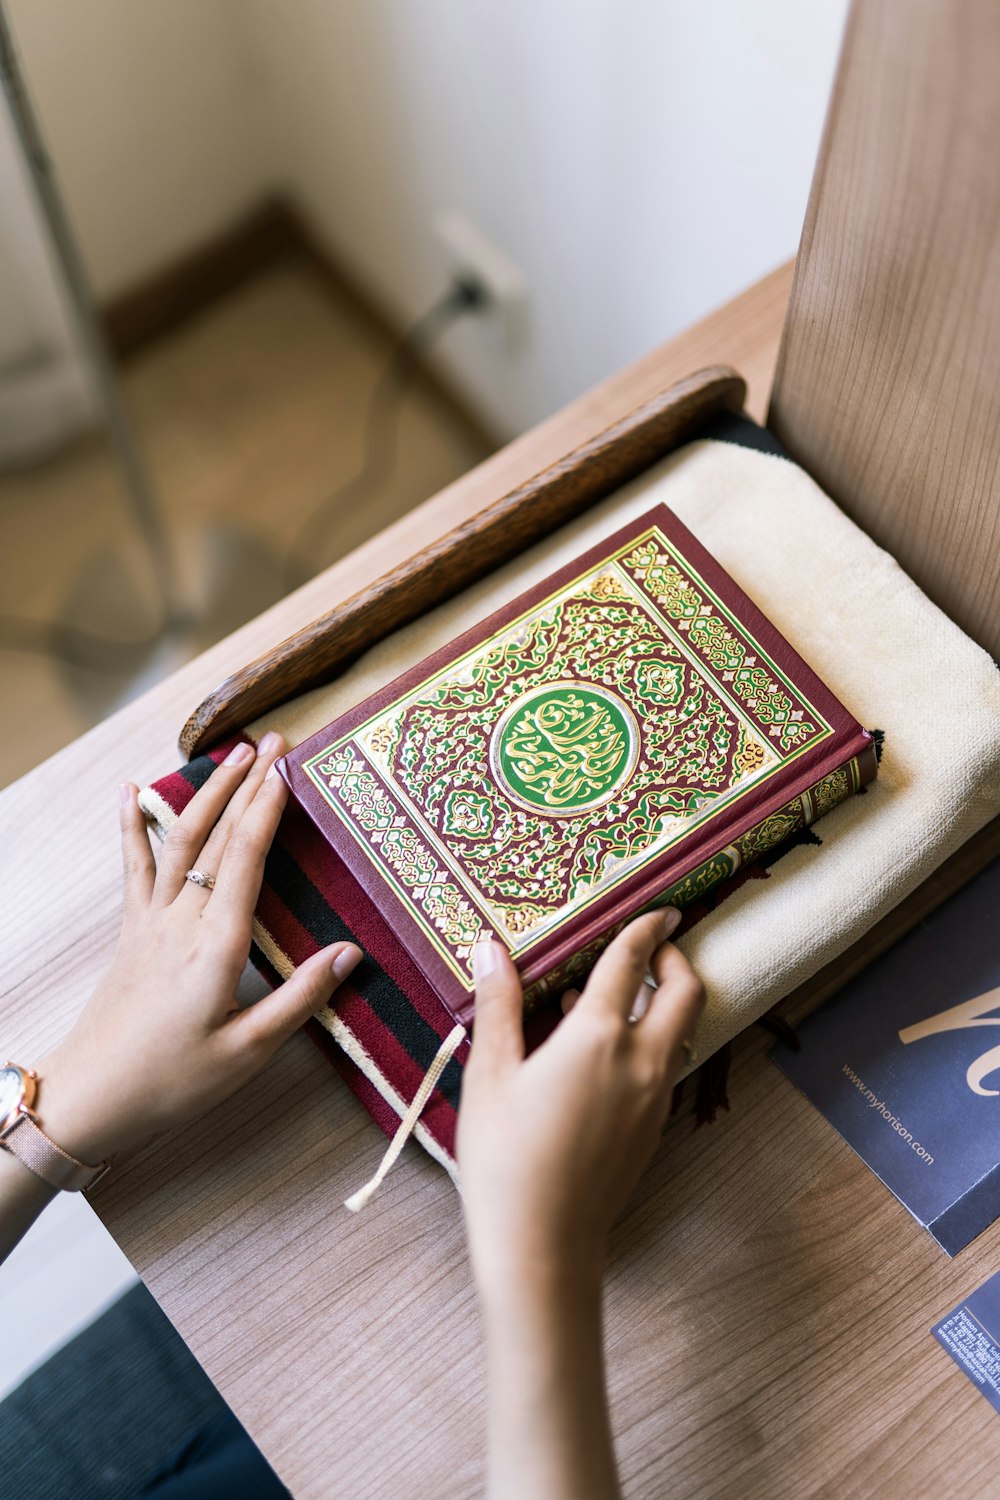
(641, 160)
(147, 106)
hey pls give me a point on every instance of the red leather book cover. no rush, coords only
(625, 734)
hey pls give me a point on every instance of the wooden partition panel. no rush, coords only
(888, 382)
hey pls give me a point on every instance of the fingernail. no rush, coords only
(486, 958)
(125, 794)
(671, 917)
(239, 754)
(272, 770)
(347, 959)
(568, 1001)
(269, 743)
(640, 1004)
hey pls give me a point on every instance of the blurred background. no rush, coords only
(261, 199)
(232, 214)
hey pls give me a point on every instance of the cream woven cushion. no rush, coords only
(893, 658)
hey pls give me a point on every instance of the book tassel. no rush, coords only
(357, 1201)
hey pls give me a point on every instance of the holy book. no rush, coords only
(625, 735)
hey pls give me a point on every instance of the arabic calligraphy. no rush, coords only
(565, 747)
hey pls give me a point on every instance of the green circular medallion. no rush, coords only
(564, 747)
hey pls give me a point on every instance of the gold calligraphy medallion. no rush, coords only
(564, 747)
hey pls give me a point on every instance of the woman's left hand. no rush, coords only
(162, 1040)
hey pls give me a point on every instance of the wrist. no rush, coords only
(75, 1108)
(520, 1243)
(512, 1284)
(23, 1137)
(18, 1178)
(23, 1196)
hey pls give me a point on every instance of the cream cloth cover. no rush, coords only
(892, 657)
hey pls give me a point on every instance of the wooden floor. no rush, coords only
(249, 416)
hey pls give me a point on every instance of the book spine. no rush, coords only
(834, 787)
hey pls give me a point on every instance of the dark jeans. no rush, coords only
(218, 1462)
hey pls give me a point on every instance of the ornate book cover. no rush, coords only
(626, 734)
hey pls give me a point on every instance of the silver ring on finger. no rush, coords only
(202, 878)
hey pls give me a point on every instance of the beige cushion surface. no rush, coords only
(894, 659)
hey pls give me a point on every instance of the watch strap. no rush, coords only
(33, 1148)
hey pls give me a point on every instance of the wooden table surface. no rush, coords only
(768, 1302)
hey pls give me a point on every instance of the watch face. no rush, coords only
(10, 1090)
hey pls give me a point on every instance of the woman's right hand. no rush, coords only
(551, 1146)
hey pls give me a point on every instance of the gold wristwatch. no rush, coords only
(23, 1136)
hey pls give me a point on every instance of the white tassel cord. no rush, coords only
(442, 1058)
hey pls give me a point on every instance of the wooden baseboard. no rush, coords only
(274, 233)
(163, 301)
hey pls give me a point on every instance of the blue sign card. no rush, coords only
(905, 1063)
(971, 1335)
